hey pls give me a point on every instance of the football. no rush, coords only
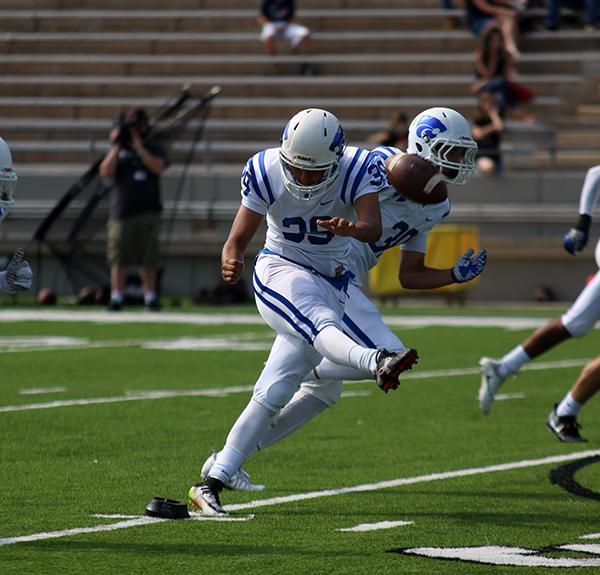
(416, 178)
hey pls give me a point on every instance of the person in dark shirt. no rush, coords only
(487, 132)
(132, 169)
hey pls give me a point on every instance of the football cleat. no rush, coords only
(391, 364)
(202, 498)
(490, 382)
(565, 428)
(240, 480)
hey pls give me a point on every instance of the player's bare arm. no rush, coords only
(243, 229)
(414, 274)
(368, 226)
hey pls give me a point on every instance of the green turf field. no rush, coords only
(96, 418)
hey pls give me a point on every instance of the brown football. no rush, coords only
(416, 178)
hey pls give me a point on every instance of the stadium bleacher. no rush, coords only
(69, 67)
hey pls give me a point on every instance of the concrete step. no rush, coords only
(424, 63)
(260, 86)
(245, 42)
(226, 107)
(215, 20)
(195, 4)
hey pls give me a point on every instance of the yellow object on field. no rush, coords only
(445, 244)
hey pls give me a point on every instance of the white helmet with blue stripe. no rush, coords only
(8, 179)
(313, 141)
(437, 134)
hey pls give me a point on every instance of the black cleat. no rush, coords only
(391, 364)
(565, 428)
(114, 306)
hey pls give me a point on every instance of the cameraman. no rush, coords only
(132, 170)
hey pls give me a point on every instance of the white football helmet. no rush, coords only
(313, 140)
(8, 179)
(435, 133)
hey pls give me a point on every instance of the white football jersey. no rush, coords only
(292, 223)
(404, 222)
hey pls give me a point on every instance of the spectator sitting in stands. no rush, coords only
(503, 13)
(487, 132)
(396, 134)
(495, 70)
(591, 12)
(277, 20)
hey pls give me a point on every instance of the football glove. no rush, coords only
(469, 265)
(17, 276)
(577, 238)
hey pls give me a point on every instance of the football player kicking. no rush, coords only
(308, 189)
(577, 321)
(443, 137)
(17, 276)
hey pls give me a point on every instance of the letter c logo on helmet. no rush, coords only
(429, 127)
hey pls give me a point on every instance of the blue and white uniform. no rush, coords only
(404, 223)
(581, 317)
(301, 275)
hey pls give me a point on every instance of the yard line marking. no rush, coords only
(506, 396)
(375, 526)
(41, 390)
(103, 317)
(79, 530)
(412, 480)
(590, 536)
(224, 391)
(316, 494)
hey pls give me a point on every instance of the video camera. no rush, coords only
(138, 119)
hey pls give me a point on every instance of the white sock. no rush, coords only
(242, 440)
(568, 406)
(336, 346)
(116, 296)
(301, 408)
(512, 361)
(150, 296)
(329, 370)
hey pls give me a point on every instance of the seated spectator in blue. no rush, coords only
(591, 12)
(481, 14)
(277, 20)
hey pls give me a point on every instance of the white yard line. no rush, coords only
(224, 391)
(103, 317)
(363, 527)
(317, 494)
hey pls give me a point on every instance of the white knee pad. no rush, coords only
(326, 390)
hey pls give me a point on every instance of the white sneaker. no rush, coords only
(490, 382)
(202, 498)
(240, 480)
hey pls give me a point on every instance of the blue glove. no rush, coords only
(577, 238)
(469, 266)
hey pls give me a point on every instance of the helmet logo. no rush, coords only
(338, 143)
(429, 127)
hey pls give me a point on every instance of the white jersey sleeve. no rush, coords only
(589, 192)
(257, 187)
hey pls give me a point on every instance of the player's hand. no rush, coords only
(17, 276)
(469, 265)
(231, 270)
(576, 238)
(339, 226)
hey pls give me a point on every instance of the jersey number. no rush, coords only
(405, 232)
(313, 233)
